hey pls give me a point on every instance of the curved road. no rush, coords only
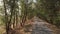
(39, 27)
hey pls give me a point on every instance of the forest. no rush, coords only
(19, 16)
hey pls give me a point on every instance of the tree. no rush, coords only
(11, 12)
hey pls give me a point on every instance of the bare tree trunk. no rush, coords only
(6, 17)
(25, 13)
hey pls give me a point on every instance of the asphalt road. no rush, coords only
(39, 27)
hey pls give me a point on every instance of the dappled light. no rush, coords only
(29, 16)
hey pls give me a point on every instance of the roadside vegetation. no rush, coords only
(18, 14)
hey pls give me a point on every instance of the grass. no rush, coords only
(2, 29)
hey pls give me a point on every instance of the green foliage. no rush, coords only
(2, 20)
(49, 10)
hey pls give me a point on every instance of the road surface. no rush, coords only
(39, 27)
